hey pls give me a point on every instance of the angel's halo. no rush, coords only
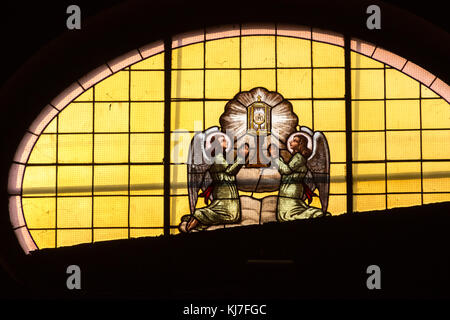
(298, 133)
(214, 135)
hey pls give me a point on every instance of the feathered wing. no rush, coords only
(319, 168)
(197, 167)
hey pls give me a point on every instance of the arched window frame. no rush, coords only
(85, 83)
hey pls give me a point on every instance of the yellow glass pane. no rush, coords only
(43, 238)
(294, 83)
(221, 84)
(362, 203)
(174, 231)
(403, 114)
(44, 151)
(329, 115)
(435, 144)
(213, 111)
(88, 95)
(76, 117)
(147, 117)
(258, 52)
(187, 84)
(113, 88)
(361, 61)
(138, 233)
(39, 181)
(367, 84)
(74, 212)
(327, 55)
(111, 117)
(338, 178)
(403, 200)
(39, 212)
(399, 85)
(336, 143)
(368, 146)
(51, 127)
(188, 57)
(427, 93)
(292, 52)
(328, 83)
(435, 114)
(111, 179)
(436, 176)
(403, 145)
(179, 206)
(303, 110)
(147, 86)
(110, 212)
(316, 203)
(73, 237)
(403, 177)
(258, 78)
(179, 146)
(369, 178)
(110, 148)
(178, 179)
(74, 180)
(147, 179)
(110, 234)
(368, 115)
(187, 116)
(337, 205)
(146, 212)
(435, 197)
(222, 53)
(151, 63)
(75, 148)
(147, 147)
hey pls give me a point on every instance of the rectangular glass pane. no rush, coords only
(369, 178)
(147, 179)
(403, 145)
(147, 147)
(74, 180)
(74, 212)
(147, 117)
(110, 212)
(223, 53)
(403, 177)
(147, 86)
(111, 148)
(294, 83)
(75, 148)
(111, 117)
(368, 115)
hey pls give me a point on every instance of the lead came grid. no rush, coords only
(393, 174)
(111, 133)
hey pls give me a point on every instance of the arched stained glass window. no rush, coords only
(92, 166)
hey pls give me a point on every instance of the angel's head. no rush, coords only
(218, 144)
(300, 144)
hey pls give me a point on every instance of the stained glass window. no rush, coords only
(93, 164)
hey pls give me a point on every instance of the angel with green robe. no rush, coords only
(210, 170)
(306, 171)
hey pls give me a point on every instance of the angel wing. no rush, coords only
(318, 175)
(197, 167)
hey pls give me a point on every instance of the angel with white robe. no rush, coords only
(307, 170)
(209, 170)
